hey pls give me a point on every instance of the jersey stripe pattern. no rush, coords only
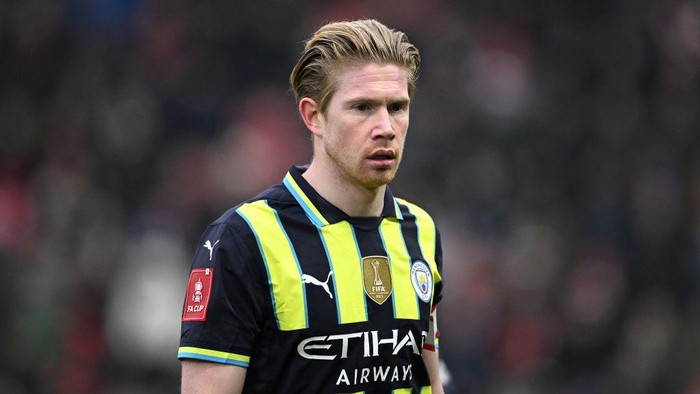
(312, 300)
(281, 264)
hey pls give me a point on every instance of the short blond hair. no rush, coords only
(337, 45)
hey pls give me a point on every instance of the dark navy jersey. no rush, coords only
(311, 300)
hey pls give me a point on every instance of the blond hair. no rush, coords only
(337, 45)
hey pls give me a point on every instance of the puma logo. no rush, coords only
(310, 279)
(209, 246)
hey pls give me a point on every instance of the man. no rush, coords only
(325, 283)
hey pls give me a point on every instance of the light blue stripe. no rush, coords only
(397, 208)
(312, 216)
(420, 247)
(418, 231)
(330, 264)
(267, 270)
(220, 360)
(393, 300)
(386, 250)
(296, 260)
(359, 253)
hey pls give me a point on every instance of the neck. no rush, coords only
(351, 198)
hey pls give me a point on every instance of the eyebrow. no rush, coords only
(367, 100)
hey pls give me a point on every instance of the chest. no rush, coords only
(341, 274)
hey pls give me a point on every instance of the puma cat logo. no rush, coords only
(209, 246)
(310, 279)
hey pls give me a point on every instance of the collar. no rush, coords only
(321, 211)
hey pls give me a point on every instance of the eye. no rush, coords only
(398, 107)
(363, 107)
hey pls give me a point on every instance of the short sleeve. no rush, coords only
(222, 312)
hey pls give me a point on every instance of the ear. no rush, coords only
(310, 114)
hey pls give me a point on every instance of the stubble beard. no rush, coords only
(361, 174)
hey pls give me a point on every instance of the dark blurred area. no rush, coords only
(556, 143)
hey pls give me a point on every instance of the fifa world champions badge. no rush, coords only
(376, 275)
(422, 280)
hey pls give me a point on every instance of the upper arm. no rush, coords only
(211, 378)
(223, 312)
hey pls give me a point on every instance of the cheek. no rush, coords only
(401, 125)
(345, 135)
(338, 143)
(401, 133)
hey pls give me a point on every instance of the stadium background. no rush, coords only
(555, 142)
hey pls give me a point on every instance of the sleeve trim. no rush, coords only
(186, 352)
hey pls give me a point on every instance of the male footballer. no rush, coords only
(326, 282)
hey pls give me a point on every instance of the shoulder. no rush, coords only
(236, 225)
(412, 211)
(275, 196)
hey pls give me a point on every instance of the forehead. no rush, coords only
(372, 80)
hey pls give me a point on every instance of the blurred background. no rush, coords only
(556, 143)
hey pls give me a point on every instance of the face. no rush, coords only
(363, 129)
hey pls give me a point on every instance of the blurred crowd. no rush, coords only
(556, 143)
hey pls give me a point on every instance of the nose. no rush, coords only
(383, 127)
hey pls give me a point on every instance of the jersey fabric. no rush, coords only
(311, 300)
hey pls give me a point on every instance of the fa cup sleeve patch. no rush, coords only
(198, 291)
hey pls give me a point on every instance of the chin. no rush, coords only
(373, 182)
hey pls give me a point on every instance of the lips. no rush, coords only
(383, 159)
(383, 155)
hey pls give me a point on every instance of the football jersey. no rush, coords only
(311, 300)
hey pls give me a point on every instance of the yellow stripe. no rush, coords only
(304, 201)
(284, 274)
(213, 354)
(427, 236)
(404, 297)
(346, 263)
(426, 390)
(402, 391)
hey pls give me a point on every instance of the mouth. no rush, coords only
(383, 159)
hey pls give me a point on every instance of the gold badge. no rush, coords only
(377, 278)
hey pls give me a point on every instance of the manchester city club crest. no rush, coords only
(376, 275)
(422, 280)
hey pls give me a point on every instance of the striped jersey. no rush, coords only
(311, 300)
